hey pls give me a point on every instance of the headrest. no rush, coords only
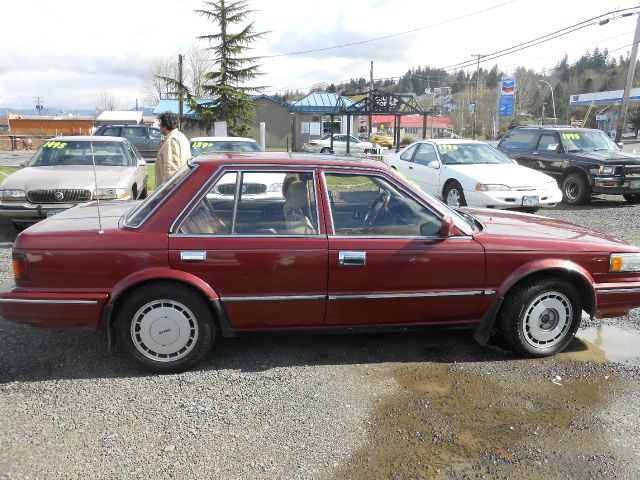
(297, 195)
(288, 179)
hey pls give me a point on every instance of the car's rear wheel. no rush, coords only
(325, 150)
(165, 327)
(575, 189)
(632, 198)
(541, 317)
(454, 196)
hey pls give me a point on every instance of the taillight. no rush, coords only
(20, 267)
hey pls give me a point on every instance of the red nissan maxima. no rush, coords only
(256, 242)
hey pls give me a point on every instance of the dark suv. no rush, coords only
(583, 161)
(146, 139)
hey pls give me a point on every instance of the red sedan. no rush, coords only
(245, 243)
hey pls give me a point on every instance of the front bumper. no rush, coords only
(616, 184)
(55, 310)
(31, 213)
(512, 198)
(616, 299)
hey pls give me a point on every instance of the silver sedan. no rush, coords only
(61, 174)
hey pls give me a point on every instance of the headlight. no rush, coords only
(484, 187)
(275, 187)
(624, 262)
(13, 195)
(607, 169)
(112, 193)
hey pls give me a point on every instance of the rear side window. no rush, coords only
(517, 139)
(111, 132)
(135, 133)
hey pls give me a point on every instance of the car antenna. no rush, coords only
(95, 179)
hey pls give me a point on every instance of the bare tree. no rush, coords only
(198, 63)
(106, 100)
(155, 87)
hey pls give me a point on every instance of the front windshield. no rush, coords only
(470, 154)
(56, 153)
(211, 146)
(584, 140)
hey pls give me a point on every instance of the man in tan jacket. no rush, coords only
(174, 150)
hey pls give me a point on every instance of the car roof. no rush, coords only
(549, 127)
(448, 141)
(126, 125)
(88, 138)
(284, 158)
(223, 139)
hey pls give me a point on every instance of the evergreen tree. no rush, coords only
(230, 99)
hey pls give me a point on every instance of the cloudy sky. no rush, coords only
(69, 51)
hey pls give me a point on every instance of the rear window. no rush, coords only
(517, 139)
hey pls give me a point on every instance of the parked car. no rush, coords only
(223, 144)
(323, 145)
(468, 172)
(448, 134)
(382, 139)
(145, 138)
(583, 160)
(349, 245)
(61, 174)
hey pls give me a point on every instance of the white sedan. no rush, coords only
(323, 145)
(467, 172)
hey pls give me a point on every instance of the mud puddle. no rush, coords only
(460, 422)
(605, 343)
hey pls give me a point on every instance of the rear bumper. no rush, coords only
(616, 299)
(54, 310)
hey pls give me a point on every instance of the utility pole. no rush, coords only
(627, 86)
(475, 108)
(180, 104)
(370, 100)
(39, 104)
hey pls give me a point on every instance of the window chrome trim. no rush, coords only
(399, 237)
(374, 296)
(41, 301)
(242, 169)
(273, 298)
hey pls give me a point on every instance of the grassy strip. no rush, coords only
(7, 171)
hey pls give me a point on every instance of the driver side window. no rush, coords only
(426, 154)
(369, 205)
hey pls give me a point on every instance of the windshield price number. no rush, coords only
(58, 145)
(445, 147)
(202, 144)
(571, 136)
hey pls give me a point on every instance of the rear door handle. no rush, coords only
(534, 153)
(352, 259)
(193, 256)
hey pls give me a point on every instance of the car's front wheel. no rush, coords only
(165, 327)
(575, 189)
(541, 317)
(454, 196)
(325, 150)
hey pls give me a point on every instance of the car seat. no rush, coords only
(295, 204)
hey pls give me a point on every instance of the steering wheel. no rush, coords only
(379, 206)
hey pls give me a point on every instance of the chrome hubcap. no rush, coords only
(453, 198)
(547, 319)
(571, 190)
(164, 330)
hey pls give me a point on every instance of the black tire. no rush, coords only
(143, 193)
(576, 189)
(540, 318)
(325, 150)
(632, 198)
(185, 318)
(454, 190)
(19, 226)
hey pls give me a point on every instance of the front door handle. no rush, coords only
(193, 256)
(352, 259)
(534, 153)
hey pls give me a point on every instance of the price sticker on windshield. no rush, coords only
(445, 147)
(202, 144)
(57, 145)
(571, 136)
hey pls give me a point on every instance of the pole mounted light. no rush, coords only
(555, 120)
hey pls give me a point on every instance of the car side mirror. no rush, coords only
(24, 164)
(141, 163)
(620, 145)
(447, 226)
(434, 164)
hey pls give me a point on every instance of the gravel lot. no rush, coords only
(422, 405)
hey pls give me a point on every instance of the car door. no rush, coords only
(427, 169)
(548, 154)
(384, 269)
(140, 171)
(404, 161)
(155, 137)
(262, 250)
(137, 135)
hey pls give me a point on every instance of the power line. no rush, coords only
(384, 37)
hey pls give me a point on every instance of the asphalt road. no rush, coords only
(431, 404)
